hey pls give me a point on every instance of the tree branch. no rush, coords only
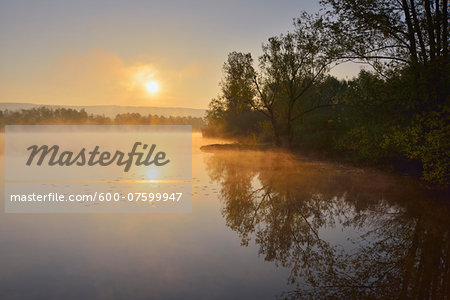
(310, 110)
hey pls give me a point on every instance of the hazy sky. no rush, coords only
(103, 51)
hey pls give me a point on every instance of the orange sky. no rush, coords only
(103, 52)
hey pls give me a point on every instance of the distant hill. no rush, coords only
(113, 110)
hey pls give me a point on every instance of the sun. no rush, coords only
(152, 87)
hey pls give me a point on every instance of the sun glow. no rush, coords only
(152, 87)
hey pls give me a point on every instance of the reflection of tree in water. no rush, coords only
(401, 236)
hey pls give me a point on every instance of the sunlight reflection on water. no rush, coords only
(263, 225)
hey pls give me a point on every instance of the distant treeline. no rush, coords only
(397, 114)
(44, 115)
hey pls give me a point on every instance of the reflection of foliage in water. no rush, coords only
(401, 246)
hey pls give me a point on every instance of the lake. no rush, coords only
(264, 225)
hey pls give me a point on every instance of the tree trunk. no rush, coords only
(419, 32)
(412, 39)
(438, 28)
(445, 29)
(276, 134)
(430, 29)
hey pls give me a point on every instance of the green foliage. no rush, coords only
(396, 116)
(319, 129)
(233, 113)
(427, 139)
(291, 65)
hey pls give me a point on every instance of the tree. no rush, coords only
(291, 64)
(232, 111)
(406, 41)
(401, 33)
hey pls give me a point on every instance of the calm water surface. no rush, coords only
(264, 225)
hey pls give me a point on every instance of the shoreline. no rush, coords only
(318, 157)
